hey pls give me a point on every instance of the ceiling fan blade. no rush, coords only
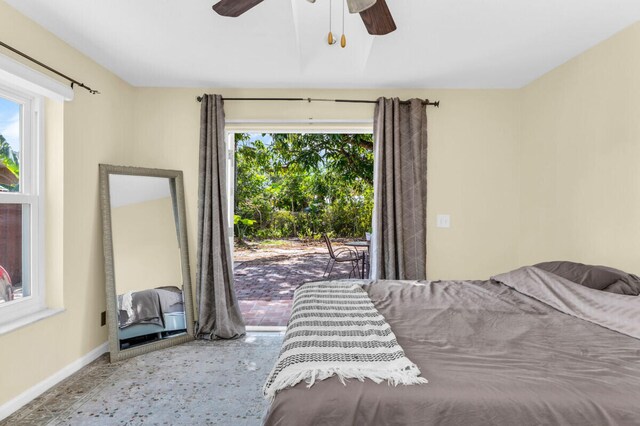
(378, 19)
(234, 8)
(356, 6)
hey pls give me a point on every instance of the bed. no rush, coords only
(557, 343)
(150, 314)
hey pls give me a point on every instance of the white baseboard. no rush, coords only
(32, 393)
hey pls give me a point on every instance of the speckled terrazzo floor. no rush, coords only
(198, 383)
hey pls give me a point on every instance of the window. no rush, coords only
(21, 171)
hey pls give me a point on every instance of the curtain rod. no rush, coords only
(353, 101)
(74, 82)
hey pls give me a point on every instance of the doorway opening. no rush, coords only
(288, 190)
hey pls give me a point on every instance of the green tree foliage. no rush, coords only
(241, 225)
(300, 185)
(11, 160)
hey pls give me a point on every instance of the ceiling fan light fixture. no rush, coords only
(357, 6)
(375, 14)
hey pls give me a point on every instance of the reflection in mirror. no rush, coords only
(149, 299)
(146, 258)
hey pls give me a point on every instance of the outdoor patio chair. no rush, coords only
(342, 255)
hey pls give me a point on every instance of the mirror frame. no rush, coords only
(115, 353)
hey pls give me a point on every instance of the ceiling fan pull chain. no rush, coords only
(330, 39)
(343, 39)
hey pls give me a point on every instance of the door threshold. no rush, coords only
(266, 328)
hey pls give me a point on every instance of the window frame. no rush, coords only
(31, 194)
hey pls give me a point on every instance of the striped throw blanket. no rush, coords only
(336, 330)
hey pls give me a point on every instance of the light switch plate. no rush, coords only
(443, 221)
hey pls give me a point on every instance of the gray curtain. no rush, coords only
(399, 242)
(219, 315)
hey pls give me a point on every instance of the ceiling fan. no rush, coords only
(374, 13)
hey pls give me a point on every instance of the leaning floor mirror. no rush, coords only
(148, 282)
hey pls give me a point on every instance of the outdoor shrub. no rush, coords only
(283, 224)
(301, 185)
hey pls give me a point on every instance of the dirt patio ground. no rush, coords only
(267, 274)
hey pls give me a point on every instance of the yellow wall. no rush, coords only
(145, 246)
(91, 129)
(473, 144)
(580, 158)
(540, 173)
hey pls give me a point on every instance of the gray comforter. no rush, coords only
(148, 306)
(493, 356)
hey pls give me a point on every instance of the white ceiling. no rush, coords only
(281, 43)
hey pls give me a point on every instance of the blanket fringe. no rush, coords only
(343, 356)
(405, 376)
